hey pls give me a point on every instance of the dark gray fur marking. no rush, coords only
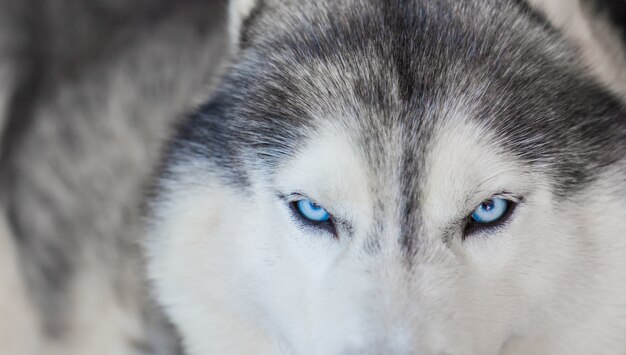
(404, 64)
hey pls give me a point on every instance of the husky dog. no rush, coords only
(400, 177)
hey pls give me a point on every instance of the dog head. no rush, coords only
(390, 177)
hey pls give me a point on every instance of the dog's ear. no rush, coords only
(594, 27)
(238, 12)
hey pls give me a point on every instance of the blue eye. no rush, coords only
(490, 211)
(311, 211)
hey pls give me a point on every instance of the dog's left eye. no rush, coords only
(490, 211)
(489, 214)
(311, 211)
(312, 215)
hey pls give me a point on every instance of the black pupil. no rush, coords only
(488, 205)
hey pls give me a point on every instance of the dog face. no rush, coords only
(390, 178)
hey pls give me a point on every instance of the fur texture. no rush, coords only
(399, 118)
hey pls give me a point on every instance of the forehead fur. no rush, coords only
(381, 66)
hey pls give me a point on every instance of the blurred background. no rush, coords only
(89, 91)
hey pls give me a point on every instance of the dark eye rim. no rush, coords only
(472, 227)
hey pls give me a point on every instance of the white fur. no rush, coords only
(238, 275)
(238, 11)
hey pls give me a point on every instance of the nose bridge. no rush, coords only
(397, 221)
(380, 313)
(391, 262)
(394, 228)
(393, 292)
(389, 307)
(393, 341)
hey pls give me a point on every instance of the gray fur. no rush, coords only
(98, 84)
(403, 63)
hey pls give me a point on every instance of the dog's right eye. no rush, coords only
(490, 211)
(313, 215)
(489, 214)
(311, 211)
